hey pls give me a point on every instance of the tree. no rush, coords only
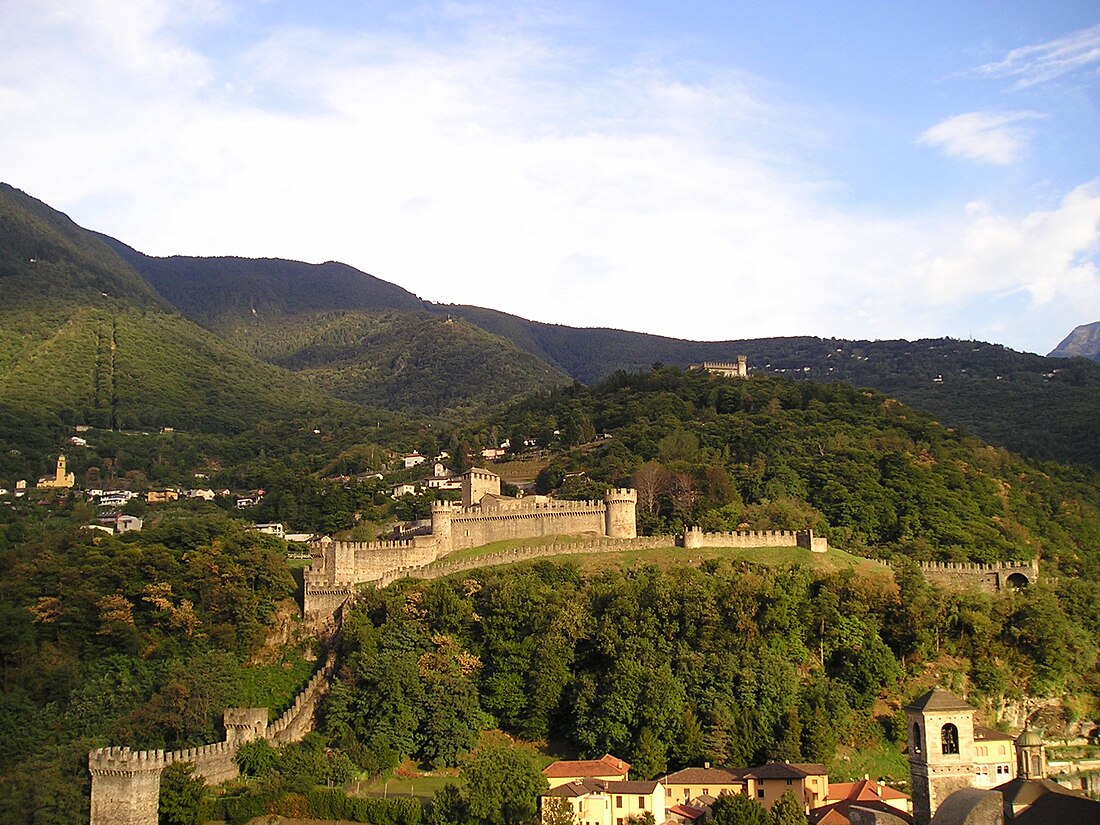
(787, 810)
(738, 809)
(180, 795)
(556, 810)
(502, 786)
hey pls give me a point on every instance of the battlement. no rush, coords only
(990, 578)
(126, 783)
(622, 494)
(122, 761)
(694, 537)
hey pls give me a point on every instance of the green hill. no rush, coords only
(84, 339)
(876, 476)
(1040, 406)
(353, 335)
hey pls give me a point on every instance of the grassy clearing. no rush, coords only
(274, 686)
(670, 557)
(882, 761)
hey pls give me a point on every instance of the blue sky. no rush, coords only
(698, 170)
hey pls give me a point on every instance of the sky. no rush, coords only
(711, 171)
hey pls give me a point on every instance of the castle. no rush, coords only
(484, 516)
(739, 369)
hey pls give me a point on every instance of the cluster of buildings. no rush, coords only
(598, 792)
(960, 774)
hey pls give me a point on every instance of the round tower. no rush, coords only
(941, 750)
(620, 516)
(441, 527)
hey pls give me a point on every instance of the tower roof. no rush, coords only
(938, 699)
(1030, 738)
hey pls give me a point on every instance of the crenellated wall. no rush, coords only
(990, 578)
(126, 783)
(694, 537)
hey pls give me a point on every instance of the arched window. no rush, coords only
(917, 746)
(949, 736)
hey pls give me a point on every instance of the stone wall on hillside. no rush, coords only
(126, 783)
(989, 578)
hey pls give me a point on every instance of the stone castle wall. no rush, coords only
(565, 518)
(989, 578)
(695, 537)
(126, 783)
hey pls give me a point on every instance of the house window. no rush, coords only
(759, 793)
(687, 793)
(618, 801)
(790, 781)
(641, 802)
(949, 737)
(619, 821)
(706, 791)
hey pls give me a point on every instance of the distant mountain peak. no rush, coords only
(1083, 342)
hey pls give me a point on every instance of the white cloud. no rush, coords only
(1038, 63)
(502, 171)
(987, 137)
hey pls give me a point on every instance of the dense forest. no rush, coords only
(872, 474)
(139, 638)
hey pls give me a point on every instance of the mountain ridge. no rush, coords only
(364, 340)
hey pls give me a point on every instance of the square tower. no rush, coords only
(476, 484)
(941, 750)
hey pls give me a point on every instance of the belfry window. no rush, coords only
(917, 746)
(949, 736)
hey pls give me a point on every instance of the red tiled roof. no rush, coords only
(606, 765)
(984, 734)
(686, 811)
(863, 790)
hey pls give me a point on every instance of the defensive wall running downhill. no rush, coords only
(988, 578)
(126, 783)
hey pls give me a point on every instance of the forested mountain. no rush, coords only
(353, 335)
(361, 339)
(84, 339)
(1037, 406)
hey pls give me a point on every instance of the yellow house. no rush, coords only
(994, 757)
(808, 781)
(599, 802)
(692, 783)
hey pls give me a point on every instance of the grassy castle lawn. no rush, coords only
(671, 557)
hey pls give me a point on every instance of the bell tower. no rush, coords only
(941, 750)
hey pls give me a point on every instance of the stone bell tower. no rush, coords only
(941, 750)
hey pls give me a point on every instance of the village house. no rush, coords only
(126, 524)
(808, 781)
(865, 793)
(702, 784)
(410, 460)
(162, 496)
(599, 793)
